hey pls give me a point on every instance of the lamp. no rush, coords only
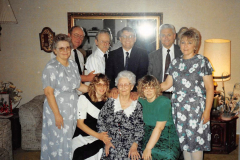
(218, 51)
(6, 14)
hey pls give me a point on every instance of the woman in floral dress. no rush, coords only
(191, 78)
(122, 119)
(60, 81)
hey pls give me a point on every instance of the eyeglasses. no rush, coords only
(148, 88)
(105, 42)
(126, 85)
(101, 85)
(128, 37)
(78, 36)
(63, 49)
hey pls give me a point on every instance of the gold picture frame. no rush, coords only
(46, 39)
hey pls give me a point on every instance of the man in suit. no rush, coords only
(159, 59)
(128, 57)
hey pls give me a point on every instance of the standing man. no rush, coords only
(97, 60)
(128, 57)
(160, 59)
(77, 36)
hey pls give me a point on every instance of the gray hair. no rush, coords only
(166, 26)
(71, 30)
(126, 74)
(129, 29)
(103, 31)
(60, 37)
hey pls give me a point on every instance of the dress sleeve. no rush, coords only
(139, 124)
(49, 77)
(206, 67)
(164, 109)
(82, 107)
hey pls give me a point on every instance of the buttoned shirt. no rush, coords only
(96, 61)
(164, 54)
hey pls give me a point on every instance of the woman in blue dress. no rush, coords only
(191, 78)
(60, 81)
(160, 140)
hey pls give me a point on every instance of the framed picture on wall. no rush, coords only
(5, 105)
(46, 39)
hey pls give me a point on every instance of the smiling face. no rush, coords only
(103, 42)
(127, 39)
(100, 88)
(77, 37)
(167, 37)
(124, 87)
(62, 51)
(150, 93)
(187, 47)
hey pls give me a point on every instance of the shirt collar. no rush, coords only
(99, 52)
(124, 51)
(128, 111)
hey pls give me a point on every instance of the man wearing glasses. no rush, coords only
(97, 60)
(128, 57)
(77, 36)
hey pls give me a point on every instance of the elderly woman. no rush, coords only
(123, 120)
(191, 78)
(60, 81)
(87, 142)
(160, 139)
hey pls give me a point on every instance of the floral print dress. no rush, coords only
(57, 143)
(123, 126)
(188, 102)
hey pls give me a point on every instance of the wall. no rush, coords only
(22, 61)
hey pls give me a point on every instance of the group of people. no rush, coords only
(160, 102)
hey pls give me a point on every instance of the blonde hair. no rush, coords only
(148, 81)
(92, 89)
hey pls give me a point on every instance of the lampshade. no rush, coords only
(218, 51)
(6, 12)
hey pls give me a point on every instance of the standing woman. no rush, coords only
(87, 142)
(60, 81)
(191, 78)
(160, 140)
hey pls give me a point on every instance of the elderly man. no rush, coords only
(128, 57)
(97, 60)
(160, 59)
(77, 36)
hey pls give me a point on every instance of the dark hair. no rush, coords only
(129, 29)
(148, 81)
(92, 89)
(58, 38)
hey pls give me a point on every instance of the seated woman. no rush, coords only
(87, 142)
(122, 119)
(160, 140)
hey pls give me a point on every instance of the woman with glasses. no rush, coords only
(87, 142)
(160, 140)
(60, 80)
(122, 119)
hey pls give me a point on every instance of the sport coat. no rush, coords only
(138, 64)
(156, 61)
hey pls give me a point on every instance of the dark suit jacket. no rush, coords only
(138, 64)
(155, 62)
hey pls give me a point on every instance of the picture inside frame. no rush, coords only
(5, 105)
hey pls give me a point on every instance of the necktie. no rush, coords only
(105, 56)
(167, 62)
(126, 63)
(77, 61)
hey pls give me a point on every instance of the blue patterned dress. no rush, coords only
(188, 102)
(57, 143)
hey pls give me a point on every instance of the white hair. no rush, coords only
(167, 26)
(126, 74)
